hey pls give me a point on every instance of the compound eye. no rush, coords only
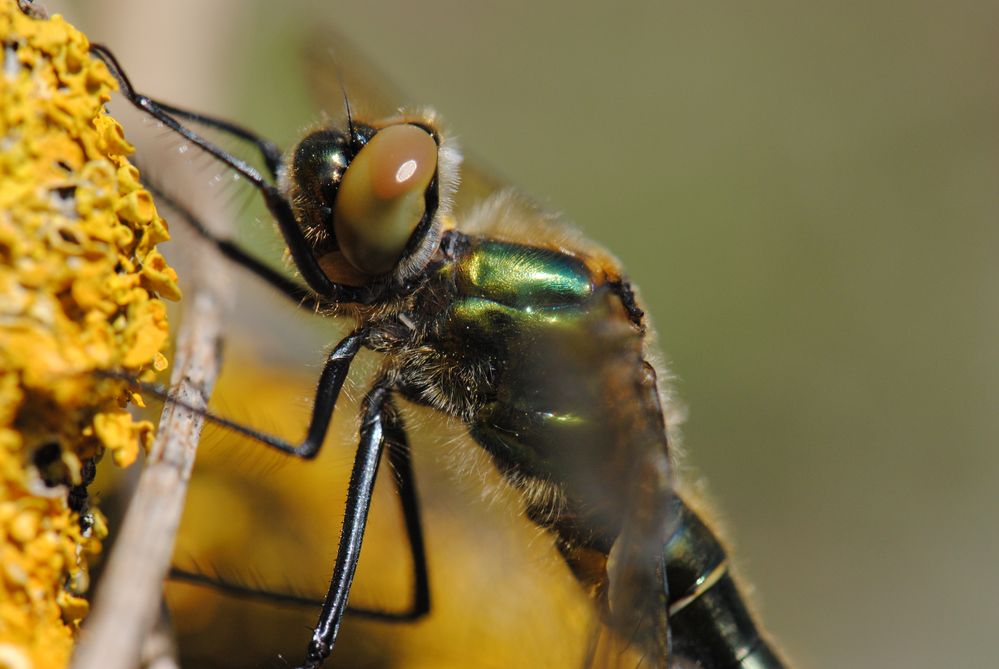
(381, 197)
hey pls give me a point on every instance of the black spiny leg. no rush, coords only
(271, 155)
(269, 151)
(362, 484)
(405, 485)
(327, 391)
(299, 294)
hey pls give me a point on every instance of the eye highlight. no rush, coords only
(406, 170)
(381, 198)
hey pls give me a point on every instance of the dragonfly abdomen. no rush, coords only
(710, 621)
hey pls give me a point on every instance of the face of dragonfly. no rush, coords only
(367, 196)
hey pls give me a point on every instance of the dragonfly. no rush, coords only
(493, 312)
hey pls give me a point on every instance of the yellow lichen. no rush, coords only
(80, 289)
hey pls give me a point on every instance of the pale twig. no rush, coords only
(128, 600)
(159, 649)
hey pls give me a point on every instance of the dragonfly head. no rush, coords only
(368, 197)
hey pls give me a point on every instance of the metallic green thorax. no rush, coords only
(565, 399)
(564, 402)
(537, 308)
(555, 335)
(523, 278)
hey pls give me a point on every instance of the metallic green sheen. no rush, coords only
(523, 276)
(479, 313)
(563, 401)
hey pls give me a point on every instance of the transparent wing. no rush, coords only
(337, 70)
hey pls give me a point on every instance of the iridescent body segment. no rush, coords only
(541, 353)
(710, 622)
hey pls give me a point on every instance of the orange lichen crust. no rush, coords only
(80, 288)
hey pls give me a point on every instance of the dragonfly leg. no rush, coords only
(294, 291)
(269, 151)
(327, 392)
(359, 491)
(404, 480)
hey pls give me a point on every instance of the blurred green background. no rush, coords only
(807, 195)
